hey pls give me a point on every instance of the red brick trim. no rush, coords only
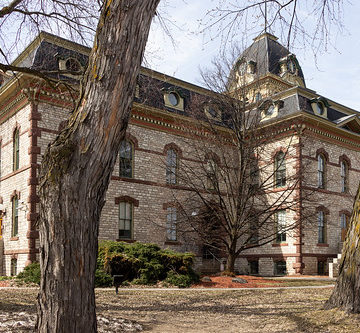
(15, 193)
(322, 245)
(322, 151)
(15, 172)
(131, 138)
(344, 211)
(279, 244)
(212, 156)
(15, 128)
(174, 147)
(168, 242)
(34, 150)
(344, 158)
(126, 198)
(347, 195)
(16, 238)
(322, 209)
(277, 151)
(287, 255)
(167, 205)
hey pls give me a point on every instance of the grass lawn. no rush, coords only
(204, 310)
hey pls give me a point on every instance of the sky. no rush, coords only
(334, 73)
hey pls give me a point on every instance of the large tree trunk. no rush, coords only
(76, 169)
(346, 294)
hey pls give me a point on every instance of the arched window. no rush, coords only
(125, 220)
(16, 150)
(171, 166)
(344, 176)
(15, 216)
(280, 170)
(321, 227)
(126, 155)
(321, 171)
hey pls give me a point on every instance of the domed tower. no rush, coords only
(264, 69)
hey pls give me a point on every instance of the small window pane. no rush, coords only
(126, 159)
(125, 220)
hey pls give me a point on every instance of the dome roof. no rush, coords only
(269, 56)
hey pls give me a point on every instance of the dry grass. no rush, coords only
(202, 310)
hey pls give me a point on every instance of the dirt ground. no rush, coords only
(204, 310)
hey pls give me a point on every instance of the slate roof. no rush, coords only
(267, 52)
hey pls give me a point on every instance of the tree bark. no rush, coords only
(77, 166)
(346, 294)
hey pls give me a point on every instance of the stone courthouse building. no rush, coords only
(139, 206)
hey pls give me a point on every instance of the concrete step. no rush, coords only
(334, 267)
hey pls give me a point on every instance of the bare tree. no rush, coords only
(244, 181)
(312, 23)
(76, 167)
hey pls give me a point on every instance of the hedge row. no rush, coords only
(138, 263)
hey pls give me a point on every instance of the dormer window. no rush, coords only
(173, 100)
(270, 110)
(212, 112)
(70, 65)
(243, 68)
(319, 106)
(291, 66)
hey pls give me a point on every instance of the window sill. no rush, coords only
(126, 240)
(169, 242)
(14, 238)
(322, 245)
(279, 244)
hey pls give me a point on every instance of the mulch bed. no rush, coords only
(226, 282)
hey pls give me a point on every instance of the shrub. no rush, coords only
(102, 279)
(144, 263)
(31, 273)
(179, 280)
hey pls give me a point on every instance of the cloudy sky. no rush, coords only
(335, 73)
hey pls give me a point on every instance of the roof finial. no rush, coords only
(265, 16)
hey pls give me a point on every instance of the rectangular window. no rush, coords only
(171, 220)
(125, 220)
(16, 151)
(321, 267)
(344, 174)
(280, 268)
(280, 218)
(15, 217)
(254, 267)
(211, 175)
(321, 171)
(280, 170)
(13, 267)
(171, 166)
(344, 223)
(321, 227)
(254, 232)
